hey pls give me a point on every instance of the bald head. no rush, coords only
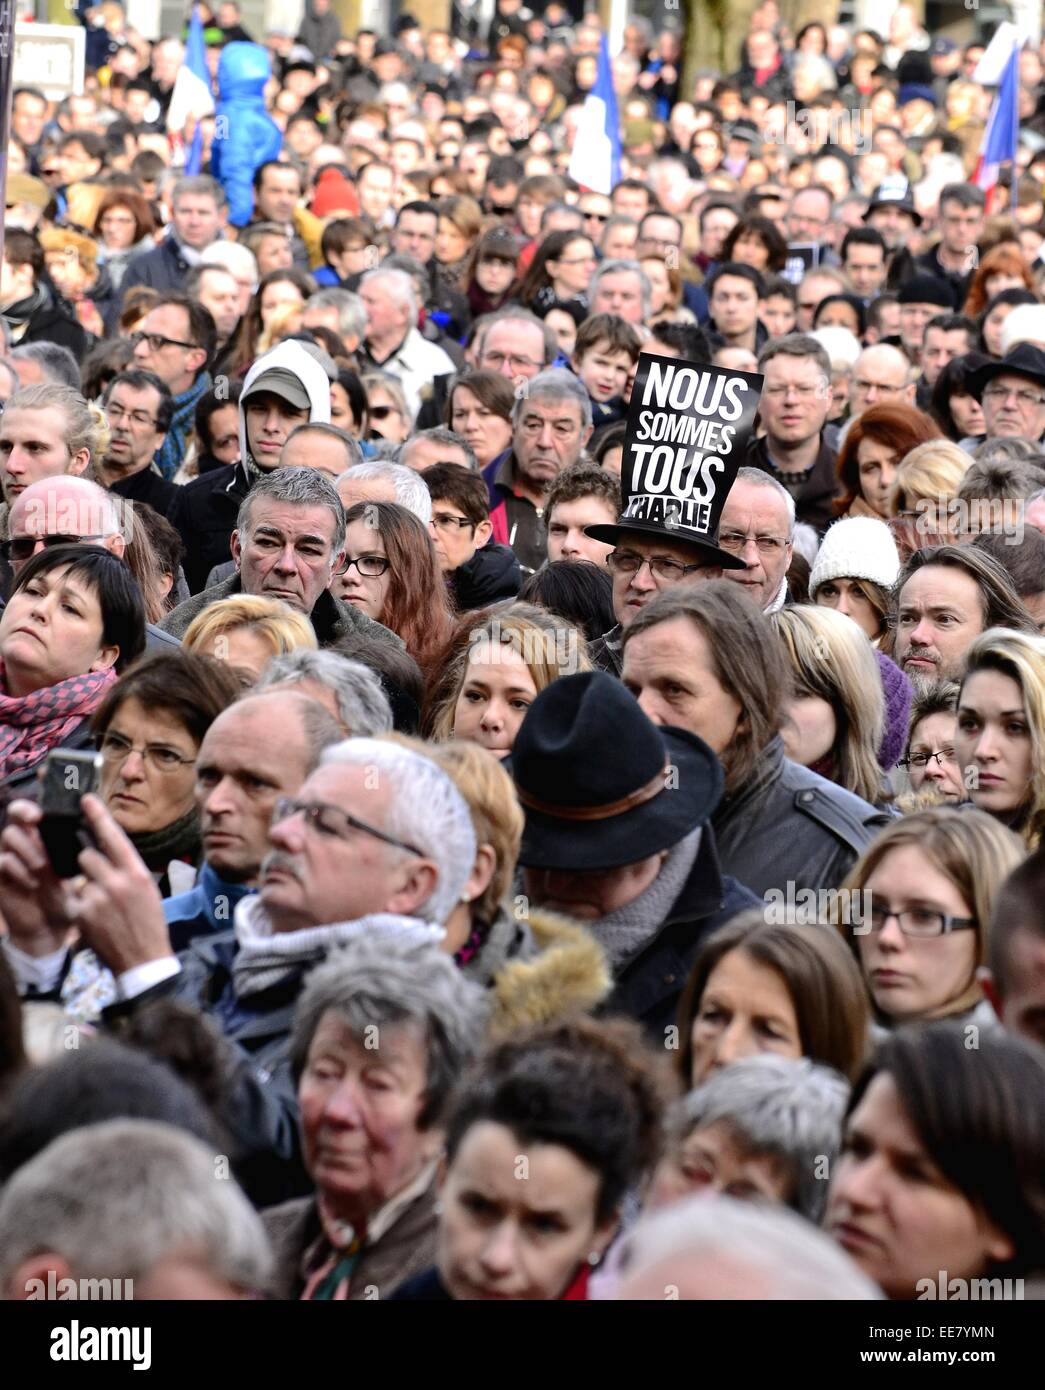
(69, 507)
(256, 751)
(881, 373)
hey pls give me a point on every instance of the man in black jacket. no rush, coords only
(30, 306)
(703, 657)
(139, 408)
(618, 835)
(478, 571)
(288, 544)
(198, 210)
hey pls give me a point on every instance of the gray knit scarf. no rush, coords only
(267, 958)
(626, 931)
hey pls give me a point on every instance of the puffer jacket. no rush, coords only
(789, 825)
(249, 135)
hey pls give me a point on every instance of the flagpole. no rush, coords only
(7, 53)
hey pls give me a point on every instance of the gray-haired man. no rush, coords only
(552, 424)
(288, 544)
(757, 525)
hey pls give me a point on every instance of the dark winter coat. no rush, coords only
(163, 268)
(204, 513)
(516, 521)
(650, 985)
(330, 618)
(788, 825)
(492, 574)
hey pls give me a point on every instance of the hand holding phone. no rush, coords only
(69, 775)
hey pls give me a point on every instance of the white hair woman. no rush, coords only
(381, 1033)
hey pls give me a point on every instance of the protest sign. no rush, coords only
(689, 427)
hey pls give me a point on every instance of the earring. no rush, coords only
(438, 1208)
(465, 898)
(593, 1258)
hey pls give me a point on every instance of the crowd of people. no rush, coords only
(523, 893)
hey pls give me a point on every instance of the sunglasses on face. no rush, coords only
(23, 548)
(382, 412)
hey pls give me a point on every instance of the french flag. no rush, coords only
(595, 158)
(192, 96)
(1001, 137)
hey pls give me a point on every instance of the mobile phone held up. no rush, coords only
(69, 774)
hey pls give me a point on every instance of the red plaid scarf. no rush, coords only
(31, 725)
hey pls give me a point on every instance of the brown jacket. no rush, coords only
(405, 1249)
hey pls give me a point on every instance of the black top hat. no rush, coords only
(1024, 360)
(602, 785)
(677, 492)
(894, 192)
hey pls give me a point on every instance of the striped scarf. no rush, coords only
(169, 458)
(31, 725)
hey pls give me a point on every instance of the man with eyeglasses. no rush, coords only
(1012, 393)
(176, 341)
(595, 210)
(517, 345)
(477, 570)
(796, 402)
(757, 525)
(139, 409)
(376, 840)
(809, 216)
(881, 373)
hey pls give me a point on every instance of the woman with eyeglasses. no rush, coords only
(920, 902)
(931, 759)
(561, 270)
(74, 619)
(387, 416)
(1000, 738)
(148, 730)
(392, 575)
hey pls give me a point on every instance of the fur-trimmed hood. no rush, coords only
(566, 974)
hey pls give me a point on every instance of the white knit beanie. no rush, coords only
(857, 547)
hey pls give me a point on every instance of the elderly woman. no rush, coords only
(764, 1129)
(382, 1031)
(74, 619)
(247, 631)
(149, 729)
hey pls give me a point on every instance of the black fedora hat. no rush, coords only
(1024, 360)
(602, 785)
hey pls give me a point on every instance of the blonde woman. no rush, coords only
(498, 667)
(247, 632)
(1000, 738)
(836, 715)
(920, 902)
(387, 413)
(925, 485)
